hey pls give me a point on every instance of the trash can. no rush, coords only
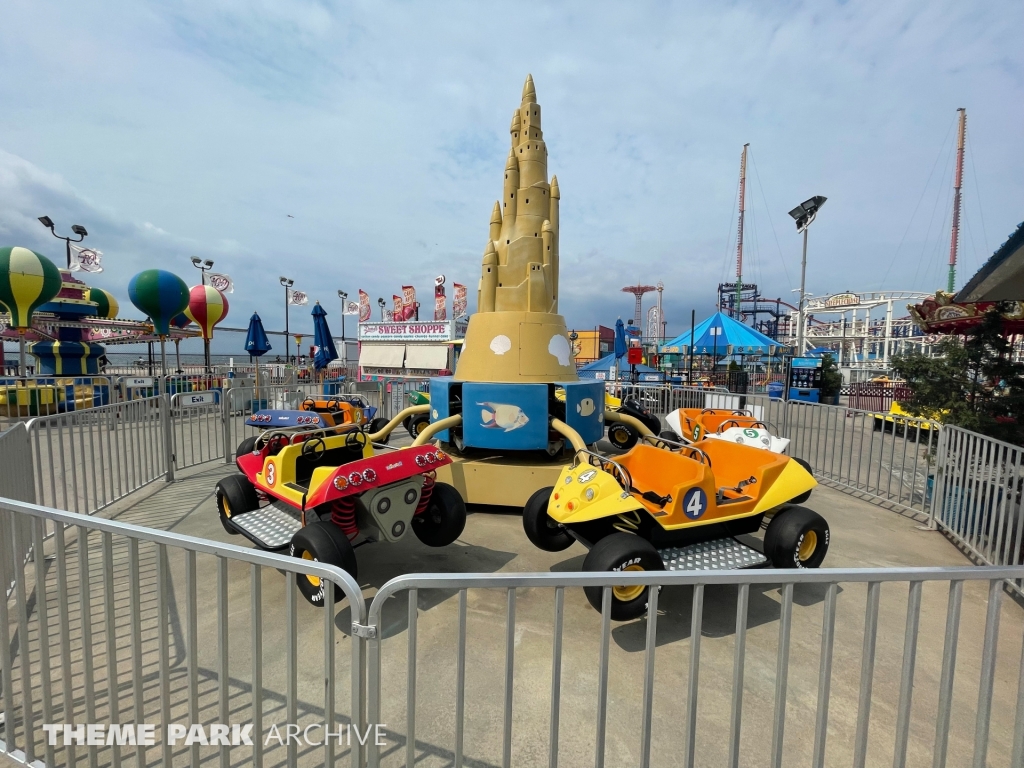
(775, 390)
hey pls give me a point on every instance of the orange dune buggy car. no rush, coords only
(665, 505)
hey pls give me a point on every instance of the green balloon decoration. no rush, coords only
(161, 295)
(27, 281)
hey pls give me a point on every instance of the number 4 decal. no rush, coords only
(695, 503)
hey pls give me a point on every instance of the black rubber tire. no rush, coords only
(806, 494)
(245, 447)
(418, 423)
(540, 529)
(616, 552)
(622, 436)
(444, 519)
(376, 426)
(786, 533)
(326, 543)
(235, 496)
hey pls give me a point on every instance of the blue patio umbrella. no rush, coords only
(325, 351)
(256, 344)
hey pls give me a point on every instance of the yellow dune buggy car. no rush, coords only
(665, 505)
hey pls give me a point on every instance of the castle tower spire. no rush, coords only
(518, 293)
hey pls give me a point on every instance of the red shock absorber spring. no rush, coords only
(343, 515)
(425, 494)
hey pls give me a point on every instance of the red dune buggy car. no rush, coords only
(319, 493)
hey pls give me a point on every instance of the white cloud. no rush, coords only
(195, 129)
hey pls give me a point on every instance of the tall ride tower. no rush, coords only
(516, 334)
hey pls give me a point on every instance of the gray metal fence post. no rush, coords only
(167, 427)
(225, 416)
(940, 470)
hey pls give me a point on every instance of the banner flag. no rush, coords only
(398, 313)
(221, 282)
(440, 309)
(86, 259)
(298, 298)
(364, 306)
(653, 323)
(459, 305)
(351, 307)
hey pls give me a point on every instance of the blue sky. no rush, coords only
(195, 128)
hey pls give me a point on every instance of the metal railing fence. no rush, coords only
(86, 460)
(828, 664)
(113, 623)
(976, 500)
(16, 482)
(889, 460)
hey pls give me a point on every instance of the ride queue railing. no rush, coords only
(827, 669)
(113, 623)
(977, 495)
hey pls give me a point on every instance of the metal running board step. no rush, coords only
(717, 555)
(270, 527)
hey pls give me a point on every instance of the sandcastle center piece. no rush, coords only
(516, 334)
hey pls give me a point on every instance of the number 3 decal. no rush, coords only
(695, 503)
(271, 473)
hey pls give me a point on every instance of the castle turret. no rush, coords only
(488, 279)
(553, 218)
(496, 220)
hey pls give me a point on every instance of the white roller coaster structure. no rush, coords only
(864, 329)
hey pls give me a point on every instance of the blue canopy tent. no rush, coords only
(721, 335)
(605, 369)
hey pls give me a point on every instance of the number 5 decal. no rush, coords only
(695, 503)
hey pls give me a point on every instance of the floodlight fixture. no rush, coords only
(804, 213)
(78, 229)
(287, 283)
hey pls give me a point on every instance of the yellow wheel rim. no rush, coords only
(314, 580)
(808, 544)
(421, 426)
(629, 593)
(227, 507)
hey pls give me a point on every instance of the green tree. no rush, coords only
(831, 378)
(973, 383)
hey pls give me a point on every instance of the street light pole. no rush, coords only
(804, 214)
(344, 348)
(78, 229)
(800, 304)
(287, 283)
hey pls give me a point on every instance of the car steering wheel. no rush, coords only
(309, 404)
(356, 439)
(314, 448)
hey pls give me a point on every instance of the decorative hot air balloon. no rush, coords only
(206, 307)
(27, 280)
(180, 321)
(160, 294)
(106, 305)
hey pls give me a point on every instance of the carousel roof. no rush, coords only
(1002, 276)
